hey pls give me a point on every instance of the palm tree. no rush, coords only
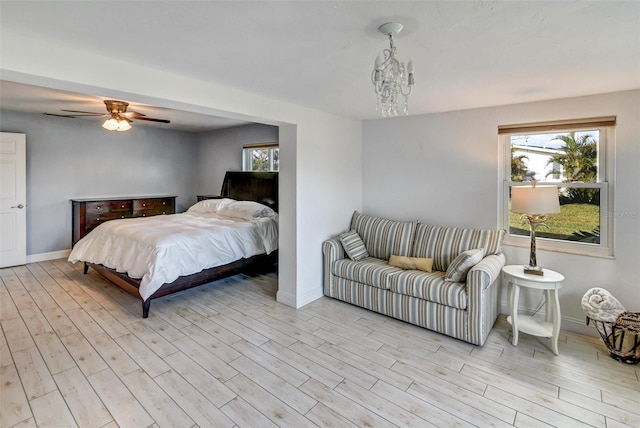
(519, 168)
(579, 161)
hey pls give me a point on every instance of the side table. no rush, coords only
(550, 282)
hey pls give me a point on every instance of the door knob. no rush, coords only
(18, 206)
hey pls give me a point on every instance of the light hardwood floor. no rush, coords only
(76, 352)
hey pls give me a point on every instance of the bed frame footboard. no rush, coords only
(131, 285)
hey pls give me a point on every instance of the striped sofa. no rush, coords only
(464, 310)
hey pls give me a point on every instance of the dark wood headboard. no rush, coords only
(251, 186)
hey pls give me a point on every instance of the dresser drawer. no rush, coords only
(156, 206)
(95, 219)
(108, 206)
(98, 207)
(121, 206)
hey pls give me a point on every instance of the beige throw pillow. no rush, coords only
(414, 263)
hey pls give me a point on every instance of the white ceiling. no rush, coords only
(319, 54)
(34, 99)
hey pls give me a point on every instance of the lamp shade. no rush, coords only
(535, 199)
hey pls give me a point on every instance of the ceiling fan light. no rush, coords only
(123, 125)
(115, 124)
(110, 124)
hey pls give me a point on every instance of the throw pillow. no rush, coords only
(353, 245)
(414, 263)
(459, 267)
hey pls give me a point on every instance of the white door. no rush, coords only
(13, 199)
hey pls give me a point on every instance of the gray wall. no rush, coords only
(72, 158)
(443, 169)
(222, 151)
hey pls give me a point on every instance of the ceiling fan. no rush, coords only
(118, 118)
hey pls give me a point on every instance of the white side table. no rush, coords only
(550, 282)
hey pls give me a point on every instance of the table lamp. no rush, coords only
(534, 202)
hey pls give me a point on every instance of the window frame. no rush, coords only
(605, 184)
(247, 158)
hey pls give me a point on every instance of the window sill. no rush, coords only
(560, 247)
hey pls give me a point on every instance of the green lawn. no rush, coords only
(572, 218)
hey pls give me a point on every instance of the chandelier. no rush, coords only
(391, 80)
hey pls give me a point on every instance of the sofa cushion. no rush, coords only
(353, 245)
(370, 271)
(444, 244)
(459, 267)
(383, 237)
(430, 286)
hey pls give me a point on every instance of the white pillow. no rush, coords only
(209, 206)
(460, 266)
(246, 210)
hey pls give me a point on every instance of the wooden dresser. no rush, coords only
(90, 212)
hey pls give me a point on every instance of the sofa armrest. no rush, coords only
(484, 298)
(486, 271)
(332, 251)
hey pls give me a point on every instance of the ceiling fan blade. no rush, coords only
(60, 115)
(112, 106)
(141, 116)
(150, 119)
(86, 113)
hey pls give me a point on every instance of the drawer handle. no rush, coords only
(98, 219)
(98, 207)
(122, 217)
(144, 215)
(164, 203)
(122, 206)
(163, 212)
(144, 205)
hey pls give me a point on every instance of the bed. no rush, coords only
(156, 256)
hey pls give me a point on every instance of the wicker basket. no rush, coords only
(621, 338)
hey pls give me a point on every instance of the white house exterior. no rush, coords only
(537, 159)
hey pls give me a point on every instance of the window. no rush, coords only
(260, 157)
(575, 156)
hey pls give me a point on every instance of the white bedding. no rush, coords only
(159, 249)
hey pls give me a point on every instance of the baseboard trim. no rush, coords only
(298, 301)
(286, 299)
(579, 325)
(310, 296)
(43, 257)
